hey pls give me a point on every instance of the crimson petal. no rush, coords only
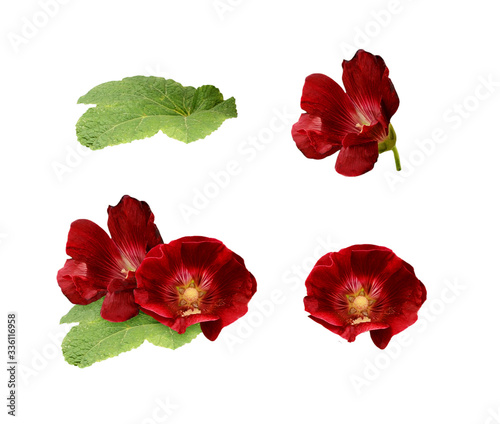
(401, 297)
(374, 264)
(180, 324)
(234, 287)
(204, 256)
(157, 277)
(350, 332)
(314, 139)
(323, 97)
(322, 311)
(119, 306)
(132, 228)
(367, 83)
(325, 285)
(360, 151)
(212, 329)
(89, 243)
(356, 160)
(73, 281)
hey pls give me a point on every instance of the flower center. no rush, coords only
(360, 303)
(190, 296)
(127, 266)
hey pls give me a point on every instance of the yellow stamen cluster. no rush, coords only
(190, 296)
(359, 305)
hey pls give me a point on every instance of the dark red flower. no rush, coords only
(104, 266)
(364, 288)
(356, 122)
(194, 280)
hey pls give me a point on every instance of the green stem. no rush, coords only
(396, 158)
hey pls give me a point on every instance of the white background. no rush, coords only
(281, 212)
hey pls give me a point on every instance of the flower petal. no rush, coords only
(350, 332)
(360, 151)
(203, 257)
(89, 243)
(314, 139)
(119, 306)
(231, 289)
(323, 97)
(180, 324)
(374, 265)
(73, 281)
(132, 228)
(401, 296)
(326, 286)
(322, 311)
(367, 83)
(212, 329)
(357, 160)
(157, 277)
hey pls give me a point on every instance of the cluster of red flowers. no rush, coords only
(199, 280)
(364, 287)
(187, 281)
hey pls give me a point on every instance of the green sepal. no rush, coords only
(390, 144)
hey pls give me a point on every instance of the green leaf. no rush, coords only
(139, 107)
(96, 339)
(83, 314)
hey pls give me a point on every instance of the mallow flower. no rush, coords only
(356, 122)
(364, 288)
(194, 280)
(101, 265)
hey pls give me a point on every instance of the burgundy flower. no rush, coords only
(356, 122)
(104, 266)
(364, 288)
(194, 280)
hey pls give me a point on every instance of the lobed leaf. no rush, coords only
(96, 339)
(138, 107)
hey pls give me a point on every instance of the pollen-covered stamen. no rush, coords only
(359, 305)
(191, 294)
(191, 312)
(190, 297)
